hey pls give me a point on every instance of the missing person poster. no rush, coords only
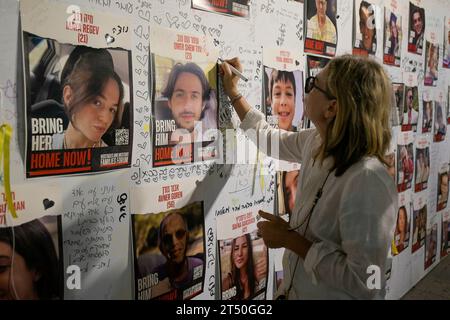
(367, 18)
(405, 161)
(238, 8)
(446, 58)
(442, 187)
(169, 228)
(416, 27)
(445, 235)
(440, 124)
(399, 94)
(243, 256)
(410, 114)
(78, 89)
(184, 98)
(448, 104)
(287, 182)
(401, 234)
(431, 244)
(392, 34)
(283, 94)
(283, 89)
(422, 172)
(169, 252)
(38, 244)
(427, 112)
(315, 64)
(321, 31)
(30, 202)
(431, 63)
(419, 222)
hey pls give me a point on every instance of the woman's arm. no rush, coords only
(280, 144)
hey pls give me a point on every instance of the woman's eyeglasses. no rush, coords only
(168, 237)
(310, 84)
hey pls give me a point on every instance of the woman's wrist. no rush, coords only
(233, 92)
(235, 97)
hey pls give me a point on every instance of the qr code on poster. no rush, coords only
(122, 137)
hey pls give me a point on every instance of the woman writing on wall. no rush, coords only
(92, 98)
(30, 271)
(335, 235)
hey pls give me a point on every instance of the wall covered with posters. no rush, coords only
(124, 157)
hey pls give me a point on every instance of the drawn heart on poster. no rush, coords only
(142, 60)
(139, 46)
(145, 73)
(142, 95)
(144, 15)
(140, 110)
(146, 109)
(138, 31)
(196, 26)
(144, 134)
(137, 164)
(297, 63)
(139, 123)
(146, 158)
(196, 17)
(138, 71)
(157, 19)
(142, 146)
(48, 203)
(146, 118)
(211, 31)
(109, 39)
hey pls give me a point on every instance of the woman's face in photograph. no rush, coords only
(402, 220)
(417, 23)
(24, 278)
(283, 103)
(240, 254)
(94, 118)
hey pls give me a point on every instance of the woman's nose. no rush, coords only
(104, 114)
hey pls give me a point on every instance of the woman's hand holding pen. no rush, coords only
(230, 81)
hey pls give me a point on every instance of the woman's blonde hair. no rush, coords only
(361, 127)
